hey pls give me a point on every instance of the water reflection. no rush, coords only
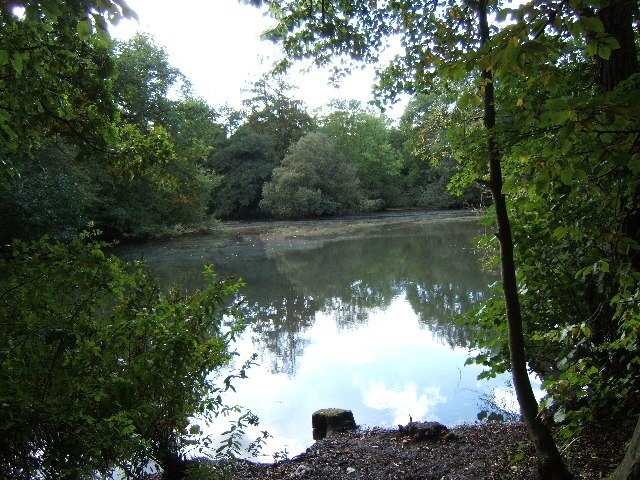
(360, 321)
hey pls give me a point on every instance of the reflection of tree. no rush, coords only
(278, 325)
(432, 265)
(438, 306)
(353, 307)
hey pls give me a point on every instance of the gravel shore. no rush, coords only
(488, 451)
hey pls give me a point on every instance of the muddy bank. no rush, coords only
(345, 226)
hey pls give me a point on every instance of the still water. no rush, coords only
(350, 313)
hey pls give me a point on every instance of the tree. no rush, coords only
(274, 123)
(363, 139)
(550, 464)
(246, 160)
(52, 193)
(143, 81)
(100, 369)
(160, 180)
(629, 468)
(274, 113)
(431, 133)
(245, 163)
(313, 179)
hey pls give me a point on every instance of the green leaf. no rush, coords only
(16, 61)
(592, 48)
(566, 175)
(634, 165)
(4, 57)
(84, 29)
(560, 416)
(509, 185)
(592, 24)
(604, 52)
(560, 232)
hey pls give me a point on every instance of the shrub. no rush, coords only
(100, 369)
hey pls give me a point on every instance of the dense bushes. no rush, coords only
(99, 368)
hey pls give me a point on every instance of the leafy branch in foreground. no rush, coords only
(101, 369)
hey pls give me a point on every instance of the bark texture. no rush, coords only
(617, 18)
(629, 469)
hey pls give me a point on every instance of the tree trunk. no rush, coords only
(629, 469)
(617, 18)
(550, 463)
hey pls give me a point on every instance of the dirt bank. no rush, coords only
(482, 452)
(337, 226)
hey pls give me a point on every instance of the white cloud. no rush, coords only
(404, 402)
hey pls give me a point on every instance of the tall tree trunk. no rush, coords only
(617, 18)
(550, 463)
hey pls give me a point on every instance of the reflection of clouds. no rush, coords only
(404, 402)
(388, 336)
(505, 398)
(285, 442)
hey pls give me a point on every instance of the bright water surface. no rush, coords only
(349, 313)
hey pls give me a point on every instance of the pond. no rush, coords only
(355, 313)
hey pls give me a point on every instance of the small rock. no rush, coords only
(421, 431)
(350, 470)
(302, 470)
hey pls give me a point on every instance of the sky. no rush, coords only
(217, 45)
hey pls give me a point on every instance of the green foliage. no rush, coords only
(276, 115)
(159, 181)
(434, 135)
(143, 80)
(245, 163)
(51, 193)
(193, 128)
(52, 82)
(99, 368)
(313, 179)
(364, 140)
(246, 160)
(166, 199)
(567, 144)
(569, 162)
